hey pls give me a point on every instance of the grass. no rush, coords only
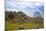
(32, 25)
(16, 26)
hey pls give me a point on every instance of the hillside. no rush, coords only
(16, 16)
(19, 20)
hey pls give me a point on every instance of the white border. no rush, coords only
(2, 15)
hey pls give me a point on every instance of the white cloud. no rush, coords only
(22, 6)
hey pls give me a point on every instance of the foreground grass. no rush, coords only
(16, 26)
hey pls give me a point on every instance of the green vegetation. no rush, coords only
(16, 26)
(19, 20)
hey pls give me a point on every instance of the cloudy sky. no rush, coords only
(27, 7)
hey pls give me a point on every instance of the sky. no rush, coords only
(27, 7)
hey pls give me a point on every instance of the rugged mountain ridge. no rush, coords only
(16, 16)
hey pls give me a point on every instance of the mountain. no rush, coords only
(16, 16)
